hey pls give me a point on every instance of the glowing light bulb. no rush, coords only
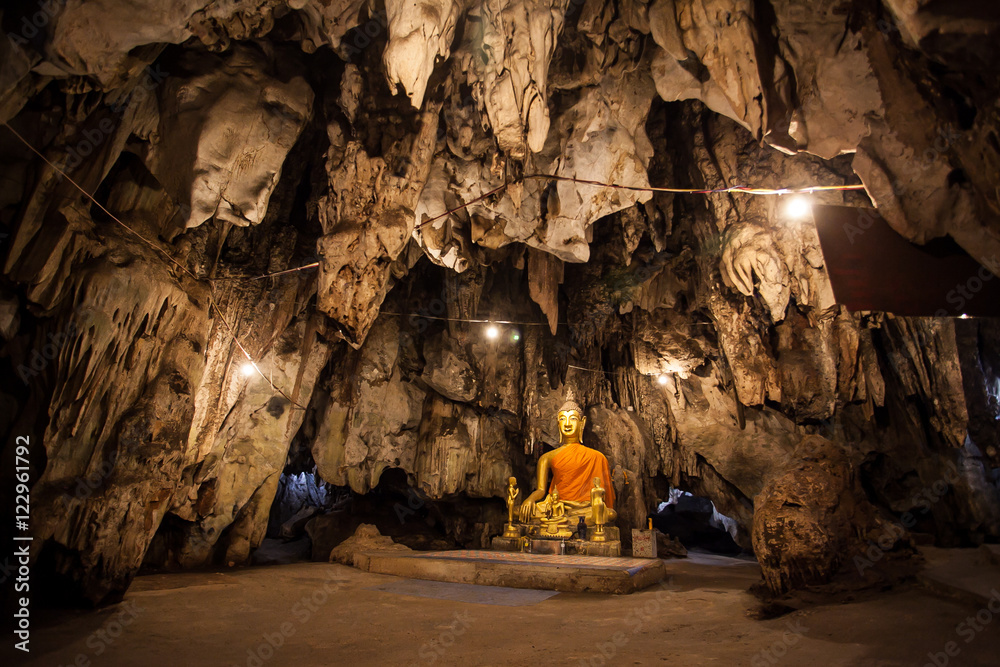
(516, 337)
(247, 369)
(963, 316)
(492, 332)
(662, 379)
(798, 207)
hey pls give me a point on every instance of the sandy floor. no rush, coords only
(317, 614)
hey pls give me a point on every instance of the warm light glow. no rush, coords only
(662, 379)
(963, 316)
(247, 369)
(492, 332)
(798, 207)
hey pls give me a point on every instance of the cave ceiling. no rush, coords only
(408, 167)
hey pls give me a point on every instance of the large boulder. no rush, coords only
(813, 524)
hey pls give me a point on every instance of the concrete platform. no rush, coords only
(568, 574)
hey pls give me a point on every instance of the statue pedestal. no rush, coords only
(584, 548)
(537, 543)
(502, 543)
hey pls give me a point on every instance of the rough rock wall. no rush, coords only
(236, 139)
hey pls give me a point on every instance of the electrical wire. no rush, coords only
(163, 253)
(552, 177)
(809, 189)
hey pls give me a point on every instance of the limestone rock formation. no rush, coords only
(365, 538)
(267, 238)
(812, 521)
(207, 165)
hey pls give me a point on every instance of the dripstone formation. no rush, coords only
(224, 141)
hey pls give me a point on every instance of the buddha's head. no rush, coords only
(555, 494)
(571, 422)
(512, 481)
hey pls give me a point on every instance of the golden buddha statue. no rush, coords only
(510, 530)
(598, 510)
(552, 514)
(574, 468)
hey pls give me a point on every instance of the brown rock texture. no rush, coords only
(247, 254)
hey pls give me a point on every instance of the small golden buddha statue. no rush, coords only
(552, 514)
(510, 530)
(572, 467)
(598, 511)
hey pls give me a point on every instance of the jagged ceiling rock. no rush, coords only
(367, 220)
(419, 34)
(225, 128)
(327, 23)
(835, 91)
(599, 138)
(448, 370)
(515, 46)
(750, 261)
(785, 83)
(720, 38)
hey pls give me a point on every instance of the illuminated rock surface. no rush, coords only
(252, 137)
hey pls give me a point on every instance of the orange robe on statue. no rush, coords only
(574, 468)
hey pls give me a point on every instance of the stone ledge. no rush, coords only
(568, 574)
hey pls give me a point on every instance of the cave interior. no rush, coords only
(274, 270)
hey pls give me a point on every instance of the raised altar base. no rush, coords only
(535, 545)
(568, 574)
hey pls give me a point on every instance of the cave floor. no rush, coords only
(328, 614)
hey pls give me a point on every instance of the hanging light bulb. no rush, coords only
(247, 369)
(492, 332)
(662, 379)
(798, 207)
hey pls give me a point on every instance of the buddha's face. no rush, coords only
(571, 425)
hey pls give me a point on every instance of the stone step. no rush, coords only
(568, 574)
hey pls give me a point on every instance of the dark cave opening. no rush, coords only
(697, 524)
